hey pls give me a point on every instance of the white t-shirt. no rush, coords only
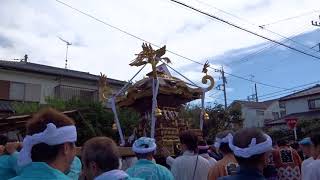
(185, 166)
(312, 170)
(304, 165)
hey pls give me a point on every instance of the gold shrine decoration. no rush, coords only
(158, 112)
(151, 56)
(207, 77)
(104, 91)
(206, 116)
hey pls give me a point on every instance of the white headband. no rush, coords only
(51, 136)
(137, 145)
(203, 147)
(226, 139)
(253, 148)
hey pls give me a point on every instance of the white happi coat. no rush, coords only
(185, 166)
(312, 170)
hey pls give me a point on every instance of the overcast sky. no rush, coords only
(32, 27)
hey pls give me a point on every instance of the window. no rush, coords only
(17, 91)
(282, 105)
(314, 104)
(260, 113)
(275, 115)
(283, 113)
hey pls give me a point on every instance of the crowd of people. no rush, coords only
(48, 152)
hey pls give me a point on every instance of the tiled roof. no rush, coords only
(307, 92)
(5, 106)
(50, 70)
(307, 114)
(256, 105)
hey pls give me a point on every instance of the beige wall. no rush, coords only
(47, 83)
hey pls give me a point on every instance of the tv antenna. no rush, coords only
(68, 44)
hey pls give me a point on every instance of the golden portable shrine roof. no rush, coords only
(168, 85)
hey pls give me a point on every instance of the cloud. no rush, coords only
(31, 27)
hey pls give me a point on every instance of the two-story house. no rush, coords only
(302, 105)
(255, 114)
(30, 82)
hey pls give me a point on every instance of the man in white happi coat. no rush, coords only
(189, 166)
(312, 170)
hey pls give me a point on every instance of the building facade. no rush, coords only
(255, 114)
(30, 82)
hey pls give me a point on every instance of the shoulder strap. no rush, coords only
(195, 168)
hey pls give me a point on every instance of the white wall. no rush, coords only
(48, 83)
(274, 107)
(298, 105)
(251, 119)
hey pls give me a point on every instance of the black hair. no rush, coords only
(190, 139)
(224, 147)
(282, 142)
(315, 139)
(43, 152)
(103, 151)
(3, 140)
(202, 143)
(242, 139)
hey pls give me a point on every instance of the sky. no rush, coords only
(32, 27)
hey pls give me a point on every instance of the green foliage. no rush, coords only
(305, 128)
(25, 107)
(92, 120)
(56, 103)
(219, 118)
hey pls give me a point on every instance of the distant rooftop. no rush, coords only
(50, 70)
(256, 105)
(306, 92)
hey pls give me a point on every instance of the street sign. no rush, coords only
(292, 122)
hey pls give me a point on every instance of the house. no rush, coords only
(24, 81)
(255, 114)
(301, 105)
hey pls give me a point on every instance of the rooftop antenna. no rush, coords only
(68, 44)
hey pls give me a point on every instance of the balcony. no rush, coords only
(69, 92)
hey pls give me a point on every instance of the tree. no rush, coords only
(219, 118)
(92, 119)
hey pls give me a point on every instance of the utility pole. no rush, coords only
(224, 81)
(255, 88)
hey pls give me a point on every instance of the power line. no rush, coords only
(141, 39)
(260, 26)
(277, 93)
(262, 50)
(289, 18)
(244, 29)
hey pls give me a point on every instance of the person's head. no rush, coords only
(222, 142)
(12, 146)
(295, 146)
(203, 147)
(99, 155)
(282, 142)
(250, 147)
(49, 127)
(3, 140)
(305, 145)
(144, 148)
(315, 150)
(189, 141)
